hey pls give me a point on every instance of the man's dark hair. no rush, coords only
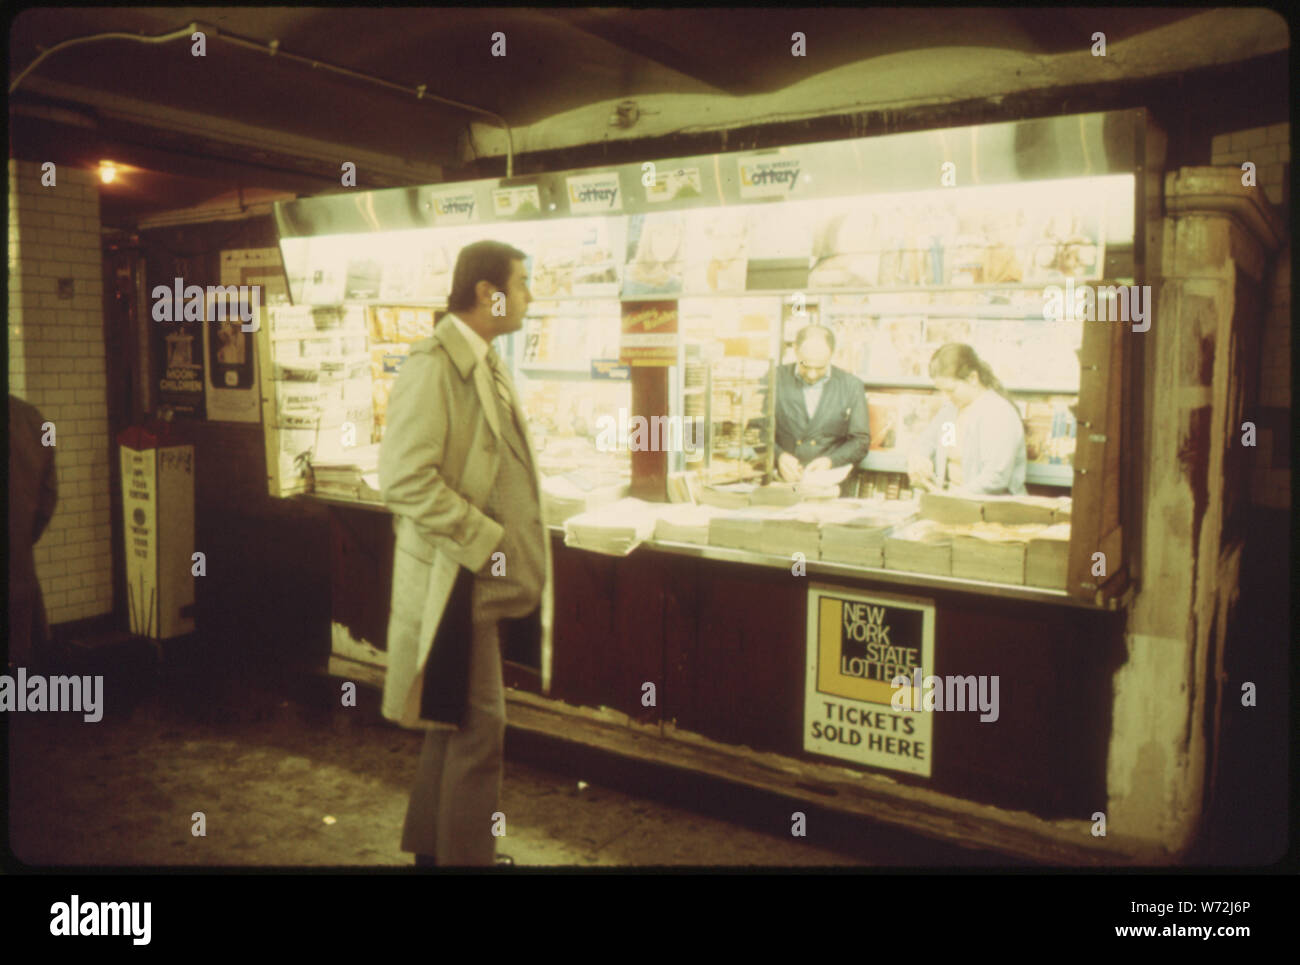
(814, 331)
(482, 261)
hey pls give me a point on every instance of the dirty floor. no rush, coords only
(286, 778)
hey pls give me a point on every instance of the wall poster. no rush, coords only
(231, 389)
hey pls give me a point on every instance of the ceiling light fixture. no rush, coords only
(107, 171)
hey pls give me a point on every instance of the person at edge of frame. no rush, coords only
(33, 495)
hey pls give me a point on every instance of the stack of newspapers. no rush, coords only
(562, 497)
(992, 551)
(952, 508)
(1047, 557)
(740, 529)
(615, 530)
(794, 529)
(924, 546)
(685, 523)
(1025, 510)
(856, 534)
(354, 475)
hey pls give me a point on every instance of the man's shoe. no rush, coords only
(505, 859)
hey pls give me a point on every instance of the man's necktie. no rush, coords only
(499, 380)
(502, 383)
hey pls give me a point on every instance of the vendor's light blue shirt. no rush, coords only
(991, 440)
(812, 393)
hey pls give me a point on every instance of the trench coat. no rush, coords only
(438, 461)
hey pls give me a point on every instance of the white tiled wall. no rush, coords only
(1268, 148)
(57, 363)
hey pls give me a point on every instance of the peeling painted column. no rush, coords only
(1219, 239)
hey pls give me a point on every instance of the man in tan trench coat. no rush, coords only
(472, 563)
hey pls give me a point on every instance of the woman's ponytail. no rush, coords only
(991, 381)
(956, 360)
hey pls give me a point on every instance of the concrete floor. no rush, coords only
(288, 778)
(292, 780)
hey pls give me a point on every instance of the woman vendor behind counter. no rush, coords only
(983, 448)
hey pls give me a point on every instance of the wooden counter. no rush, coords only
(723, 642)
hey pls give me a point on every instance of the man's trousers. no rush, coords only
(458, 780)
